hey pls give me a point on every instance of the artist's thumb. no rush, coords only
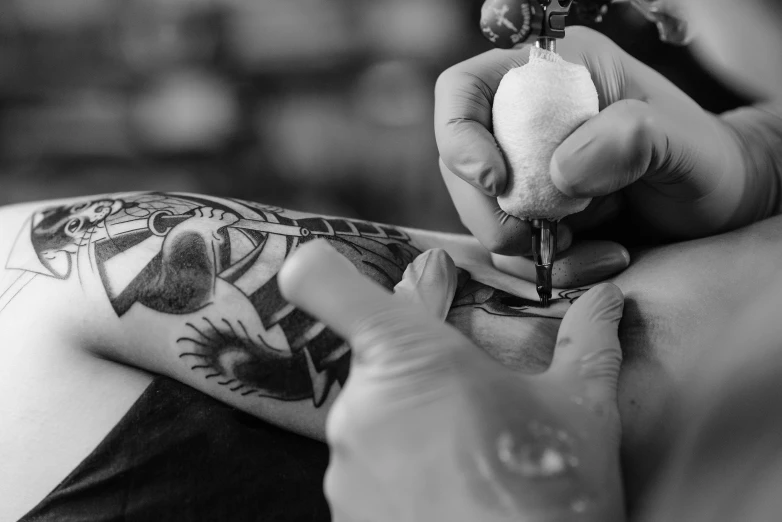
(623, 143)
(393, 337)
(587, 350)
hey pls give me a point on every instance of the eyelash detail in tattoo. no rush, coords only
(247, 364)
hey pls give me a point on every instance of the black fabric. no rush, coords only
(181, 455)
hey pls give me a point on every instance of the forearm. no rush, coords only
(678, 298)
(186, 286)
(728, 419)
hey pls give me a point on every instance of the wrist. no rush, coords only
(758, 134)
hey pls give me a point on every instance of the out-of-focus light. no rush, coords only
(156, 34)
(394, 94)
(83, 123)
(61, 14)
(185, 111)
(416, 28)
(284, 34)
(632, 19)
(42, 183)
(308, 136)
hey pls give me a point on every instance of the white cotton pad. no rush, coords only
(536, 107)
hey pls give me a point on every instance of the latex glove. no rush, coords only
(429, 427)
(682, 172)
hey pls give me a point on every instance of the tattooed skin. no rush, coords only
(514, 330)
(199, 257)
(60, 231)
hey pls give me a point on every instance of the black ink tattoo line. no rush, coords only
(19, 284)
(188, 339)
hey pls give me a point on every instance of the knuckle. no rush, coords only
(637, 124)
(446, 80)
(636, 131)
(386, 333)
(603, 364)
(639, 132)
(564, 342)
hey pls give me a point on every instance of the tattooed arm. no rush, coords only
(186, 286)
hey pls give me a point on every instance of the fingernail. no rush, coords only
(626, 255)
(612, 263)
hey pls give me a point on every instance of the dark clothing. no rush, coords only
(179, 455)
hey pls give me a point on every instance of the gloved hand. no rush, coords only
(428, 427)
(683, 172)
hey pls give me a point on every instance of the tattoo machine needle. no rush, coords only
(544, 249)
(539, 104)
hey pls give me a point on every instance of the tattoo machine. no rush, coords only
(539, 104)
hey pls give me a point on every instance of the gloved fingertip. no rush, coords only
(589, 262)
(564, 180)
(614, 260)
(571, 168)
(588, 342)
(311, 266)
(431, 281)
(438, 265)
(603, 302)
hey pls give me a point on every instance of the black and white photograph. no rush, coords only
(390, 260)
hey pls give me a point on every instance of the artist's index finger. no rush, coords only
(463, 103)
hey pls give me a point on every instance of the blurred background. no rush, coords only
(318, 105)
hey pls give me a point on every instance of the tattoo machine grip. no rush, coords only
(539, 104)
(535, 108)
